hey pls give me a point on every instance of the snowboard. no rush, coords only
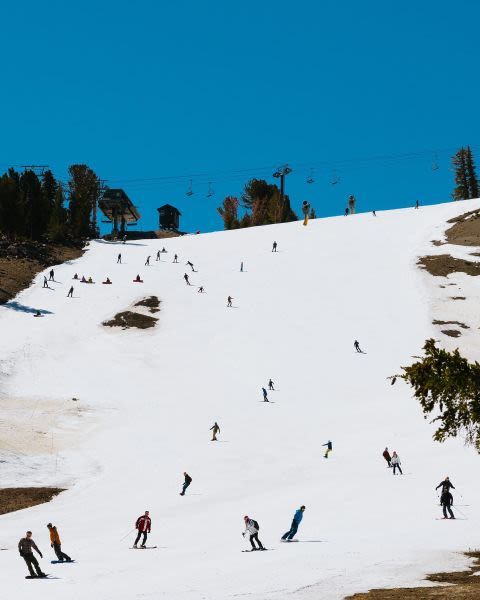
(146, 548)
(59, 562)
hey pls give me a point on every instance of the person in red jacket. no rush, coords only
(143, 526)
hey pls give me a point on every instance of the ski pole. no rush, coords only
(128, 534)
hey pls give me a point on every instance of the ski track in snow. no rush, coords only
(146, 401)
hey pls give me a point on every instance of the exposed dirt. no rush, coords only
(152, 302)
(12, 499)
(129, 319)
(17, 273)
(458, 297)
(465, 230)
(464, 585)
(451, 332)
(462, 325)
(444, 264)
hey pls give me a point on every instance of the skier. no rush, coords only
(188, 481)
(270, 385)
(119, 259)
(356, 345)
(186, 279)
(305, 211)
(56, 544)
(147, 262)
(52, 276)
(417, 204)
(175, 259)
(374, 213)
(25, 547)
(75, 276)
(70, 292)
(395, 460)
(351, 204)
(297, 517)
(229, 301)
(329, 446)
(387, 457)
(446, 484)
(346, 212)
(265, 397)
(241, 267)
(45, 282)
(215, 429)
(190, 265)
(158, 255)
(144, 526)
(252, 527)
(124, 239)
(446, 500)
(274, 247)
(200, 289)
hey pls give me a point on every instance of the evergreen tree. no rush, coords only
(228, 212)
(32, 201)
(447, 385)
(84, 190)
(459, 161)
(471, 174)
(313, 214)
(11, 208)
(57, 227)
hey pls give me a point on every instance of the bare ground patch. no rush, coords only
(465, 230)
(152, 303)
(444, 264)
(462, 325)
(463, 585)
(12, 499)
(128, 319)
(452, 332)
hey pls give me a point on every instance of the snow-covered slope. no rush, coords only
(146, 401)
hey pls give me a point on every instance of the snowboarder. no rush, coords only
(265, 397)
(215, 429)
(387, 457)
(190, 265)
(329, 446)
(75, 276)
(356, 345)
(147, 262)
(395, 460)
(124, 239)
(119, 259)
(374, 213)
(229, 301)
(417, 204)
(38, 314)
(188, 481)
(241, 267)
(143, 526)
(252, 528)
(200, 289)
(446, 484)
(52, 276)
(25, 547)
(137, 279)
(270, 385)
(56, 544)
(446, 500)
(297, 517)
(305, 211)
(175, 259)
(164, 249)
(70, 292)
(351, 204)
(346, 212)
(158, 255)
(274, 247)
(45, 282)
(186, 279)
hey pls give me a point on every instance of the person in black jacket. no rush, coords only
(188, 481)
(446, 500)
(446, 484)
(25, 547)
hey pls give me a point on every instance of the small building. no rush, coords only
(169, 217)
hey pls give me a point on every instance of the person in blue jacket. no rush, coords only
(329, 446)
(297, 517)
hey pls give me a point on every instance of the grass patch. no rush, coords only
(12, 499)
(128, 319)
(463, 585)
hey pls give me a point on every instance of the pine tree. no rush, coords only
(84, 188)
(11, 207)
(228, 212)
(57, 227)
(459, 161)
(471, 174)
(32, 201)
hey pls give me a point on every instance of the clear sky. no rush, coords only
(151, 94)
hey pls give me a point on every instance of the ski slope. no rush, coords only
(147, 398)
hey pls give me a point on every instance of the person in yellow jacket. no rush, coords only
(56, 544)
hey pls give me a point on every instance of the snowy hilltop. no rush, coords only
(120, 409)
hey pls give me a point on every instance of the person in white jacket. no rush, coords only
(252, 528)
(396, 463)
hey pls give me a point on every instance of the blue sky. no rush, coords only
(153, 94)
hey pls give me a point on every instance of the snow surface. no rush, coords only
(147, 398)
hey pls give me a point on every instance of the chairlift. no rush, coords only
(310, 178)
(190, 190)
(335, 178)
(210, 192)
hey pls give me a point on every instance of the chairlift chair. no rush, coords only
(335, 178)
(190, 190)
(210, 192)
(310, 178)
